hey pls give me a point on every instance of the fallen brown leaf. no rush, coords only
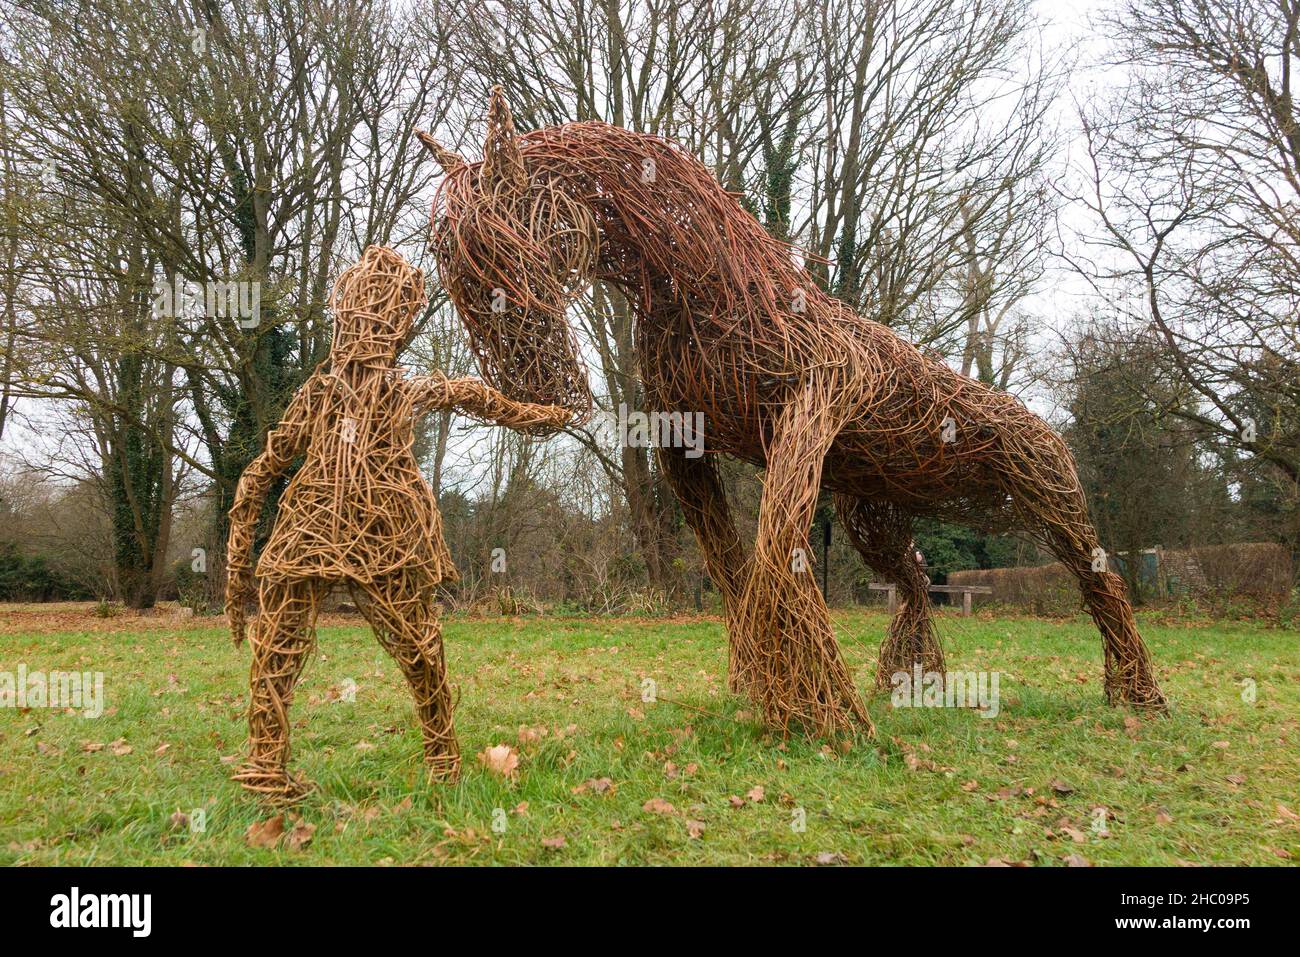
(657, 805)
(531, 735)
(299, 835)
(501, 759)
(265, 833)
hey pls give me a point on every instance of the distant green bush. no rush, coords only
(30, 578)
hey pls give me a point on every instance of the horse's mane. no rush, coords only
(659, 202)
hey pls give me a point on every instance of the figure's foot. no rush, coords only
(796, 676)
(275, 784)
(443, 768)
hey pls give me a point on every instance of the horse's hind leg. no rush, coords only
(1129, 677)
(797, 676)
(1051, 504)
(698, 488)
(882, 534)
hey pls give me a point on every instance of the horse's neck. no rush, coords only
(644, 273)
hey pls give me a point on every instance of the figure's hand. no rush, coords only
(239, 587)
(556, 416)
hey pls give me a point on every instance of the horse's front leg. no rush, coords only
(699, 491)
(791, 664)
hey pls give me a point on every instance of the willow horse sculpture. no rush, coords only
(787, 377)
(357, 513)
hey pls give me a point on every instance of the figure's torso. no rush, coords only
(358, 508)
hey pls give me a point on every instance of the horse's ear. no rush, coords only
(502, 160)
(449, 160)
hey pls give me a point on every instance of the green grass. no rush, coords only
(938, 786)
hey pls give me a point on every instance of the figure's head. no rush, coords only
(514, 248)
(374, 304)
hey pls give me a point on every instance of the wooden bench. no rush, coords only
(964, 590)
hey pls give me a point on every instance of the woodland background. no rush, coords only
(1096, 210)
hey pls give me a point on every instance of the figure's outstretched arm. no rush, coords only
(283, 444)
(479, 400)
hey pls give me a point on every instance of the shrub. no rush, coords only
(31, 578)
(1214, 575)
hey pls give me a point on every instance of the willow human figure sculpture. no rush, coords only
(357, 513)
(786, 376)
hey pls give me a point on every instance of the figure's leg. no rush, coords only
(797, 675)
(405, 622)
(282, 639)
(882, 534)
(1047, 495)
(699, 489)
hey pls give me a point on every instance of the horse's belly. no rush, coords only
(920, 475)
(920, 469)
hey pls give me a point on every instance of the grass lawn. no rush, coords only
(1217, 782)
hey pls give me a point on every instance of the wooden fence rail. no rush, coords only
(964, 590)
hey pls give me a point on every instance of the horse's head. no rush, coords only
(374, 303)
(514, 248)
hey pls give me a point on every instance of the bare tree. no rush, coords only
(927, 163)
(250, 142)
(1192, 180)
